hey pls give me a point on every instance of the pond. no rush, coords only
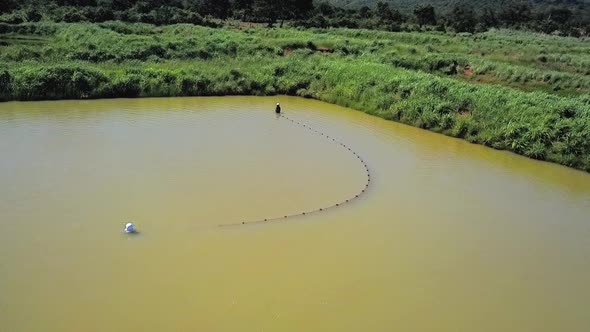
(449, 236)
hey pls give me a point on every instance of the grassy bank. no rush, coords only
(502, 89)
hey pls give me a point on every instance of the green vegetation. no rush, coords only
(446, 5)
(516, 91)
(570, 18)
(560, 17)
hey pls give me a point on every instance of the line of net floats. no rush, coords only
(348, 200)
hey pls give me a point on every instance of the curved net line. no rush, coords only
(322, 209)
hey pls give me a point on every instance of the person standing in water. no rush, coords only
(278, 108)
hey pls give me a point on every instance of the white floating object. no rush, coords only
(129, 228)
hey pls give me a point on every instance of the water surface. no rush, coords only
(449, 237)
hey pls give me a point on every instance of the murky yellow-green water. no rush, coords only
(449, 237)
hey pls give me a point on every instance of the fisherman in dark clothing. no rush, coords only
(278, 108)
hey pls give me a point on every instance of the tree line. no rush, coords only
(560, 19)
(463, 17)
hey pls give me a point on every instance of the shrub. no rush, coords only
(56, 83)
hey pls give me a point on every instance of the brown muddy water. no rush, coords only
(449, 236)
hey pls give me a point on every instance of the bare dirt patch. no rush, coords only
(468, 71)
